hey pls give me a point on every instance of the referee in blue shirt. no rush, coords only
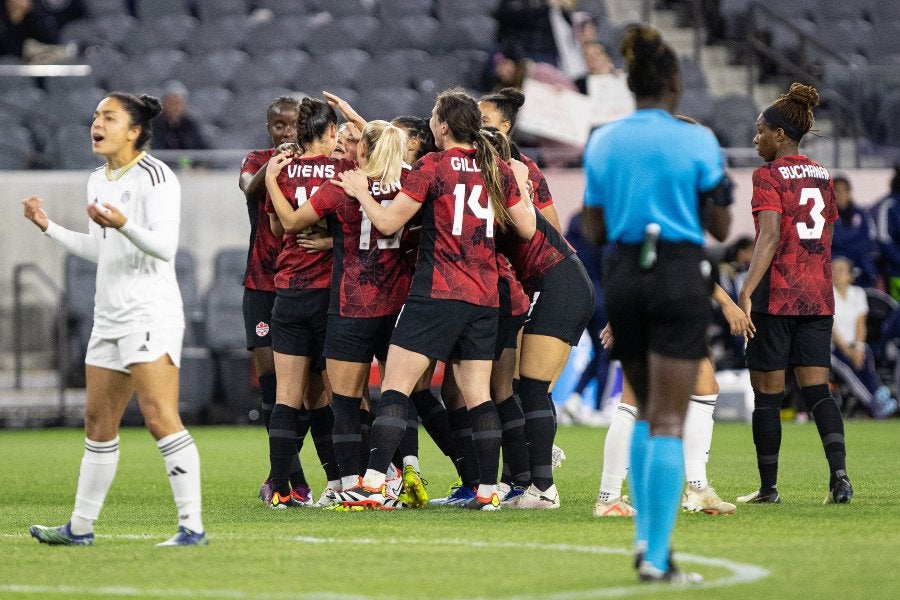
(653, 183)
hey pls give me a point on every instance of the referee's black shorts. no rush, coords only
(665, 309)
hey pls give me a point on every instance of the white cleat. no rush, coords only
(328, 498)
(706, 501)
(534, 498)
(616, 507)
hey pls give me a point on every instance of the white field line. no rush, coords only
(739, 573)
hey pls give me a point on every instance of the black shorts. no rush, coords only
(787, 340)
(257, 306)
(665, 309)
(564, 304)
(358, 340)
(508, 333)
(445, 329)
(299, 320)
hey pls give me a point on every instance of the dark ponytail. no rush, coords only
(314, 116)
(652, 64)
(141, 109)
(508, 101)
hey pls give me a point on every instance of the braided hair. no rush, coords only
(652, 64)
(792, 112)
(314, 117)
(141, 109)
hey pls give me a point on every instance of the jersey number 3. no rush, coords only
(815, 212)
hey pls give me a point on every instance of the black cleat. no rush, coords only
(841, 493)
(761, 497)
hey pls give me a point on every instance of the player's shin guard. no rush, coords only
(698, 431)
(388, 429)
(767, 436)
(486, 438)
(321, 424)
(183, 466)
(830, 425)
(515, 448)
(540, 427)
(282, 446)
(346, 435)
(98, 469)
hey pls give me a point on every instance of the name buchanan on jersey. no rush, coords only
(802, 171)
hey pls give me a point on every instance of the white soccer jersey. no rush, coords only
(135, 291)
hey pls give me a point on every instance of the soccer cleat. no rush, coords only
(302, 495)
(757, 497)
(361, 495)
(280, 501)
(459, 494)
(503, 489)
(479, 503)
(511, 495)
(393, 484)
(647, 573)
(706, 501)
(616, 507)
(60, 536)
(557, 457)
(841, 493)
(327, 498)
(535, 498)
(265, 491)
(414, 488)
(186, 537)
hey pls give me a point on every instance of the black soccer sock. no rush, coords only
(409, 444)
(302, 427)
(434, 419)
(515, 447)
(321, 424)
(298, 477)
(540, 428)
(267, 386)
(366, 419)
(282, 446)
(486, 437)
(388, 429)
(466, 460)
(767, 436)
(346, 435)
(830, 424)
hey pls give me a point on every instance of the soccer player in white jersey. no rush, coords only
(134, 204)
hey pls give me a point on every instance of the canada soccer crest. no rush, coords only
(262, 329)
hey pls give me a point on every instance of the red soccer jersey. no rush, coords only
(542, 198)
(264, 245)
(370, 277)
(519, 302)
(296, 269)
(799, 279)
(532, 258)
(457, 257)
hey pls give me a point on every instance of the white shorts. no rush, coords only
(141, 347)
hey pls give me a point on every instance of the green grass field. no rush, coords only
(799, 549)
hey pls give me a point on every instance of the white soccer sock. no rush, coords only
(348, 482)
(373, 479)
(616, 451)
(485, 490)
(698, 430)
(411, 460)
(98, 468)
(183, 466)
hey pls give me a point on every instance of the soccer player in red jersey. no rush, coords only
(464, 192)
(788, 291)
(499, 110)
(299, 316)
(259, 278)
(370, 280)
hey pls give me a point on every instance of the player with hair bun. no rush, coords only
(788, 291)
(134, 206)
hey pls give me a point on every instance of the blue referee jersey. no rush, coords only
(650, 167)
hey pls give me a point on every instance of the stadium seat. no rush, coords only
(338, 69)
(150, 69)
(166, 32)
(219, 34)
(211, 10)
(75, 106)
(81, 31)
(275, 68)
(98, 8)
(393, 69)
(207, 104)
(79, 276)
(22, 102)
(115, 30)
(387, 103)
(345, 8)
(452, 11)
(229, 265)
(439, 73)
(248, 107)
(398, 9)
(213, 69)
(105, 63)
(285, 8)
(469, 32)
(73, 144)
(325, 38)
(733, 119)
(16, 82)
(155, 9)
(16, 148)
(696, 103)
(415, 31)
(284, 33)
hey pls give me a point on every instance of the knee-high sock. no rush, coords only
(98, 469)
(767, 436)
(282, 446)
(665, 481)
(637, 481)
(515, 446)
(183, 466)
(486, 436)
(698, 431)
(831, 428)
(321, 424)
(466, 461)
(434, 420)
(267, 385)
(366, 419)
(387, 432)
(297, 476)
(407, 452)
(346, 437)
(616, 451)
(540, 427)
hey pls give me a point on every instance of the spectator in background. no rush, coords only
(888, 223)
(176, 130)
(854, 234)
(510, 67)
(598, 63)
(25, 19)
(851, 357)
(732, 272)
(527, 24)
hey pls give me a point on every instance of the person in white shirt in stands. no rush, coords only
(134, 205)
(851, 357)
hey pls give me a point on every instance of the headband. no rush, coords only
(777, 121)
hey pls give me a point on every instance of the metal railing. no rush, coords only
(20, 325)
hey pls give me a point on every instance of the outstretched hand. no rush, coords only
(35, 213)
